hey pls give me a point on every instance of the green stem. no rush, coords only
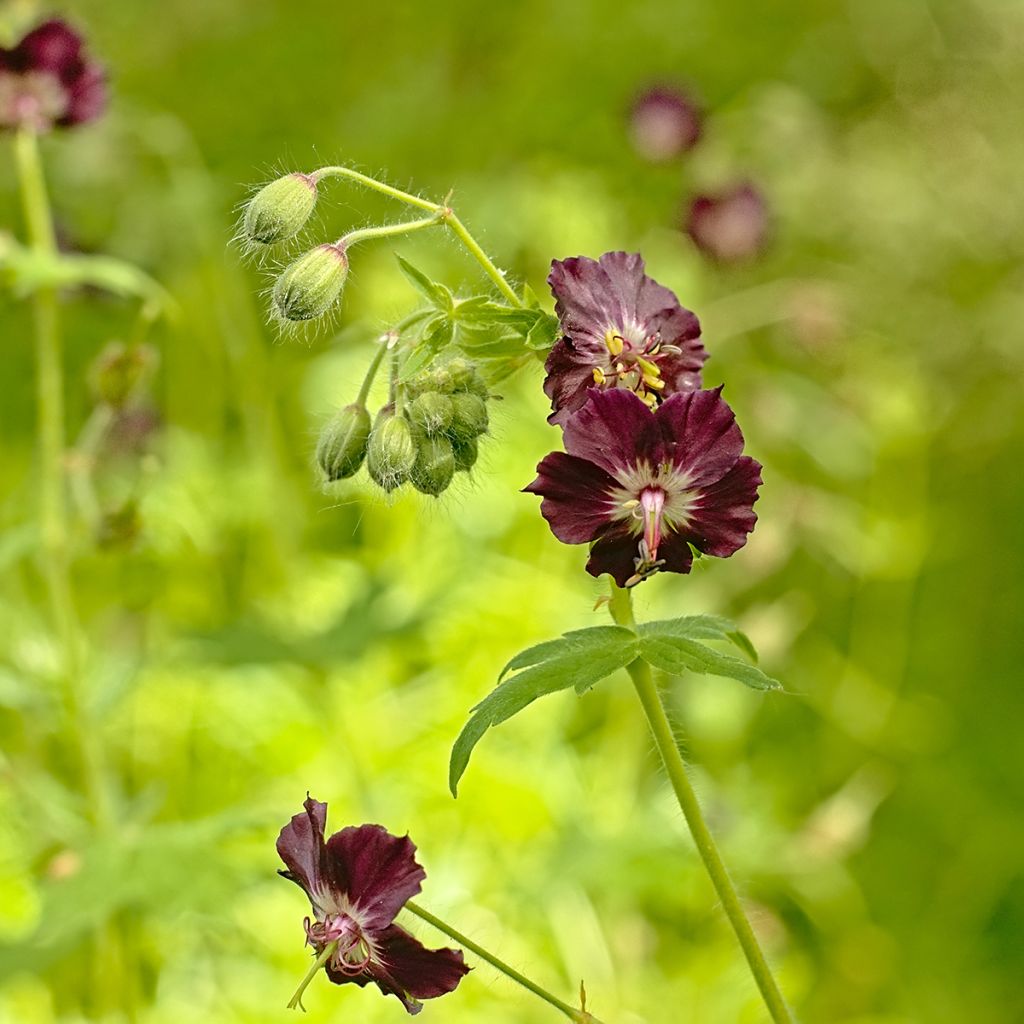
(384, 230)
(445, 214)
(371, 372)
(621, 608)
(295, 1003)
(579, 1016)
(53, 499)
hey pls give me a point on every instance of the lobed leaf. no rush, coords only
(677, 654)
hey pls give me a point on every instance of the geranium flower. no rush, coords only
(47, 80)
(664, 123)
(646, 487)
(621, 330)
(357, 881)
(729, 226)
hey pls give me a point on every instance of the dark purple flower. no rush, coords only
(47, 80)
(643, 486)
(729, 226)
(664, 123)
(357, 881)
(621, 329)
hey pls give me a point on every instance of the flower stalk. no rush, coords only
(295, 1003)
(621, 607)
(579, 1016)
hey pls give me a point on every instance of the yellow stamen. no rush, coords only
(648, 367)
(599, 377)
(632, 503)
(653, 382)
(613, 341)
(649, 399)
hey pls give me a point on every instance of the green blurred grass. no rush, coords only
(265, 638)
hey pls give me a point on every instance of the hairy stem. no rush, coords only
(371, 373)
(621, 608)
(444, 213)
(384, 230)
(579, 1016)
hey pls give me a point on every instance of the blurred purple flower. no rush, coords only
(644, 486)
(357, 882)
(729, 226)
(47, 80)
(664, 123)
(621, 329)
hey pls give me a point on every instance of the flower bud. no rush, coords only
(309, 287)
(470, 418)
(466, 377)
(465, 453)
(435, 465)
(432, 413)
(342, 445)
(279, 210)
(391, 452)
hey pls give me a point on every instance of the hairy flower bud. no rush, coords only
(343, 442)
(391, 452)
(466, 377)
(279, 210)
(309, 287)
(465, 453)
(432, 413)
(470, 419)
(435, 465)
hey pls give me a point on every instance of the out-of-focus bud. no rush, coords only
(664, 123)
(432, 413)
(343, 442)
(435, 465)
(729, 226)
(465, 453)
(466, 377)
(118, 370)
(391, 452)
(470, 419)
(309, 287)
(279, 210)
(119, 527)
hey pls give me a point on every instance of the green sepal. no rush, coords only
(436, 293)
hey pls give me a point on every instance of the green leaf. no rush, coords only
(579, 660)
(676, 654)
(437, 335)
(543, 334)
(437, 294)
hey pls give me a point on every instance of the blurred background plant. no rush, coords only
(252, 636)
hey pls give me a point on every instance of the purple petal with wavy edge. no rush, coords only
(377, 870)
(301, 846)
(614, 429)
(577, 496)
(614, 553)
(87, 96)
(412, 972)
(700, 435)
(675, 553)
(570, 375)
(51, 46)
(718, 525)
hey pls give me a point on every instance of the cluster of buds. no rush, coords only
(427, 434)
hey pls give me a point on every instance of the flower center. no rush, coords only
(354, 950)
(632, 363)
(34, 100)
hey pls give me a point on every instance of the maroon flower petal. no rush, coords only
(719, 524)
(51, 46)
(87, 96)
(729, 226)
(614, 430)
(412, 972)
(700, 435)
(676, 553)
(570, 375)
(301, 846)
(664, 123)
(577, 496)
(377, 870)
(615, 553)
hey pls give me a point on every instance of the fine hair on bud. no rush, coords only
(466, 377)
(465, 453)
(307, 288)
(435, 465)
(391, 452)
(343, 442)
(470, 418)
(432, 413)
(280, 210)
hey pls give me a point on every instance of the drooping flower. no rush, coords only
(47, 79)
(621, 329)
(645, 487)
(729, 226)
(664, 123)
(357, 881)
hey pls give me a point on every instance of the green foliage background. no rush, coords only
(264, 638)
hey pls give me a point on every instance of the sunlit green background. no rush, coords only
(263, 638)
